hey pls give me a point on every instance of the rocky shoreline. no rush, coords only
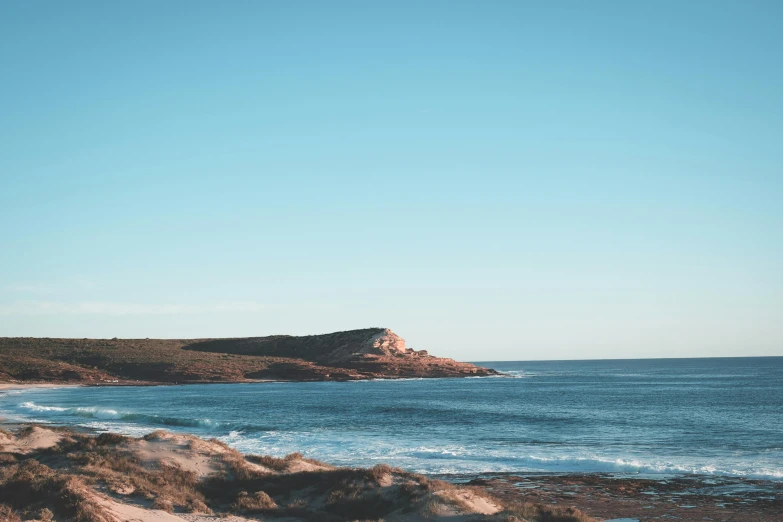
(686, 498)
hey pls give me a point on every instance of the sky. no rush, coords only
(491, 180)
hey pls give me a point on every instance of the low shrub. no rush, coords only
(254, 502)
(105, 439)
(268, 461)
(432, 509)
(32, 485)
(163, 504)
(123, 471)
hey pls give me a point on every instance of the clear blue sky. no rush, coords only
(491, 180)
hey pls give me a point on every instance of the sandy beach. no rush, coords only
(22, 386)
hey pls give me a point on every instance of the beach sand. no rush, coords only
(22, 386)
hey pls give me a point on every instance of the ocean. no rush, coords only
(720, 417)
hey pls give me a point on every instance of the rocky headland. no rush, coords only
(371, 353)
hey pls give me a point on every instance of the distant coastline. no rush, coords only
(371, 353)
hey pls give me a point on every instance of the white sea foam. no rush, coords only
(483, 425)
(35, 407)
(457, 459)
(517, 374)
(94, 412)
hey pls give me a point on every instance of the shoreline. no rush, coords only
(600, 494)
(688, 498)
(630, 475)
(120, 384)
(22, 386)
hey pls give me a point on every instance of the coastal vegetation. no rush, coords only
(357, 354)
(55, 474)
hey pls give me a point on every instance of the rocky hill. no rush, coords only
(352, 355)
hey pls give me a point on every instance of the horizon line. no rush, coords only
(638, 359)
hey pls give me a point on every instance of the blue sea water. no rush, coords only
(672, 416)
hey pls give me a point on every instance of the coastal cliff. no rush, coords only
(370, 353)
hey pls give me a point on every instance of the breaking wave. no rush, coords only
(653, 418)
(441, 460)
(92, 412)
(593, 464)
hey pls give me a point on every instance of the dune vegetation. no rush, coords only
(55, 474)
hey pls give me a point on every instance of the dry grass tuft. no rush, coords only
(220, 443)
(163, 504)
(32, 485)
(358, 497)
(281, 464)
(454, 500)
(156, 435)
(123, 471)
(7, 514)
(237, 466)
(197, 506)
(433, 509)
(7, 458)
(257, 502)
(380, 471)
(268, 461)
(106, 439)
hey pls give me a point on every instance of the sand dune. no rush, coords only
(166, 477)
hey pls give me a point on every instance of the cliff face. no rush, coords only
(384, 343)
(356, 354)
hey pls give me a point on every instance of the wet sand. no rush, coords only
(685, 498)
